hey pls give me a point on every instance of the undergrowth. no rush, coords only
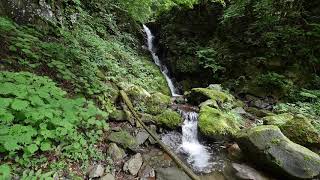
(37, 119)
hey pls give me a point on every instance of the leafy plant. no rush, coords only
(37, 117)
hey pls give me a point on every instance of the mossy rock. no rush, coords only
(157, 102)
(137, 94)
(124, 139)
(118, 115)
(278, 119)
(169, 118)
(268, 148)
(216, 124)
(301, 131)
(198, 95)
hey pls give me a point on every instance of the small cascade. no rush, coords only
(198, 155)
(157, 61)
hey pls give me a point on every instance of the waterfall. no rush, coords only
(157, 61)
(198, 155)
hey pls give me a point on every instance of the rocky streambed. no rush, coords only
(242, 141)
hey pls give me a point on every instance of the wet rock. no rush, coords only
(213, 176)
(141, 137)
(169, 119)
(96, 171)
(171, 173)
(124, 139)
(133, 164)
(108, 177)
(234, 152)
(115, 152)
(235, 171)
(216, 124)
(258, 112)
(270, 149)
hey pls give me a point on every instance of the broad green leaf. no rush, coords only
(19, 105)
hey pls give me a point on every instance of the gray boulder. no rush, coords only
(134, 164)
(268, 147)
(96, 171)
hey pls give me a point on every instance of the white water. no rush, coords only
(198, 155)
(157, 61)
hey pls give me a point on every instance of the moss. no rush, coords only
(278, 119)
(157, 102)
(198, 95)
(217, 124)
(123, 138)
(169, 118)
(301, 131)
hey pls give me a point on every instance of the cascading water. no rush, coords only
(196, 154)
(157, 61)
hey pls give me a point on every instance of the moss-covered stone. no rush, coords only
(278, 119)
(123, 138)
(267, 147)
(118, 115)
(169, 118)
(157, 102)
(137, 94)
(216, 124)
(198, 95)
(301, 131)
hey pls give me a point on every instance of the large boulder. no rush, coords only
(301, 131)
(157, 102)
(198, 95)
(217, 124)
(298, 129)
(270, 149)
(169, 118)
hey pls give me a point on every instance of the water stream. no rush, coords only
(157, 61)
(187, 144)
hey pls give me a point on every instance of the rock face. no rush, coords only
(268, 147)
(134, 164)
(123, 138)
(157, 103)
(217, 124)
(171, 174)
(115, 152)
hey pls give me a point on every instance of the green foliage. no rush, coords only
(208, 59)
(5, 172)
(37, 117)
(274, 82)
(31, 175)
